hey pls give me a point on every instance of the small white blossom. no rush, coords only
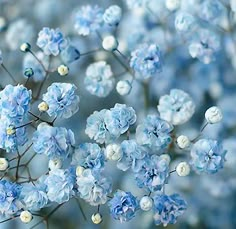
(43, 106)
(183, 169)
(63, 70)
(96, 218)
(146, 203)
(54, 164)
(3, 164)
(110, 43)
(26, 216)
(172, 4)
(123, 87)
(25, 47)
(113, 152)
(183, 142)
(213, 115)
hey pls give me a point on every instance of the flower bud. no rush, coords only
(96, 218)
(43, 106)
(183, 142)
(172, 4)
(54, 164)
(213, 115)
(63, 70)
(113, 152)
(183, 169)
(79, 170)
(110, 43)
(25, 47)
(29, 72)
(3, 164)
(146, 203)
(26, 216)
(123, 87)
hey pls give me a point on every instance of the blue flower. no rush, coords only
(96, 127)
(168, 208)
(112, 15)
(61, 99)
(10, 202)
(70, 54)
(11, 142)
(146, 61)
(88, 19)
(93, 187)
(99, 79)
(60, 185)
(30, 62)
(51, 41)
(132, 156)
(123, 206)
(154, 133)
(89, 155)
(204, 46)
(119, 119)
(176, 108)
(207, 156)
(14, 102)
(54, 142)
(154, 173)
(34, 196)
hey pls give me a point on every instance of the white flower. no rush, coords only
(183, 142)
(54, 164)
(213, 115)
(146, 203)
(113, 152)
(96, 218)
(172, 4)
(63, 70)
(3, 164)
(110, 43)
(26, 216)
(43, 106)
(183, 169)
(123, 87)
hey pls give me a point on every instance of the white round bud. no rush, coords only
(183, 142)
(10, 130)
(25, 47)
(123, 87)
(3, 164)
(213, 115)
(165, 157)
(172, 4)
(110, 43)
(26, 216)
(113, 152)
(2, 23)
(79, 170)
(146, 203)
(54, 164)
(96, 218)
(63, 70)
(43, 106)
(183, 169)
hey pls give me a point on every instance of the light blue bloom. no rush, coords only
(168, 208)
(99, 79)
(51, 41)
(93, 187)
(119, 119)
(14, 102)
(112, 15)
(54, 142)
(207, 156)
(154, 173)
(60, 185)
(30, 62)
(88, 19)
(96, 127)
(11, 142)
(62, 100)
(132, 156)
(176, 108)
(123, 206)
(89, 155)
(184, 22)
(204, 46)
(10, 202)
(146, 61)
(70, 54)
(34, 197)
(154, 133)
(136, 3)
(211, 10)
